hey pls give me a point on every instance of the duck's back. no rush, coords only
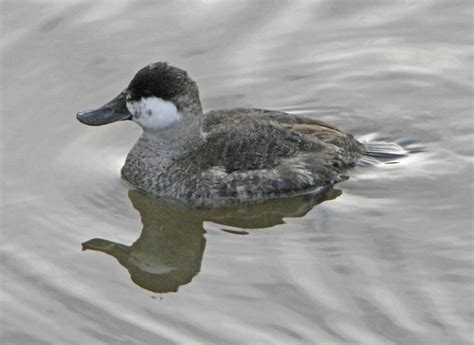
(256, 138)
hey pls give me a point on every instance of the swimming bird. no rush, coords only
(220, 157)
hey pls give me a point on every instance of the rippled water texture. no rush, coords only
(387, 259)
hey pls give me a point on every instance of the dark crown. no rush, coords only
(159, 80)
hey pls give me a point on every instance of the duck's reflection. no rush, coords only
(170, 248)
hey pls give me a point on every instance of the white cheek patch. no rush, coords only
(153, 112)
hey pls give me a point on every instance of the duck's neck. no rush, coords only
(173, 141)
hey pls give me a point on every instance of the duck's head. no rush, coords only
(158, 96)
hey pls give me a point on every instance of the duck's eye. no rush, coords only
(128, 97)
(147, 93)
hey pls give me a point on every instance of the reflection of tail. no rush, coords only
(377, 149)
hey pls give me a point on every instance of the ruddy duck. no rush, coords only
(223, 156)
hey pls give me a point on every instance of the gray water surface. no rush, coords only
(386, 259)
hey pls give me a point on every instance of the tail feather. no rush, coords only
(378, 150)
(384, 149)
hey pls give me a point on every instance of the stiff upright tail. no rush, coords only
(378, 150)
(384, 149)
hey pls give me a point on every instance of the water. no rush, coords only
(386, 260)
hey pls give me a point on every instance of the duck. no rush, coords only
(220, 157)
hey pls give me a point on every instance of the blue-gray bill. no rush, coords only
(115, 110)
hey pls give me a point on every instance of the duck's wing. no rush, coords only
(247, 139)
(257, 138)
(348, 146)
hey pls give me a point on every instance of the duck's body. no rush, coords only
(241, 155)
(226, 156)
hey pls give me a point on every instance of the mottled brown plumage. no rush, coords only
(244, 155)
